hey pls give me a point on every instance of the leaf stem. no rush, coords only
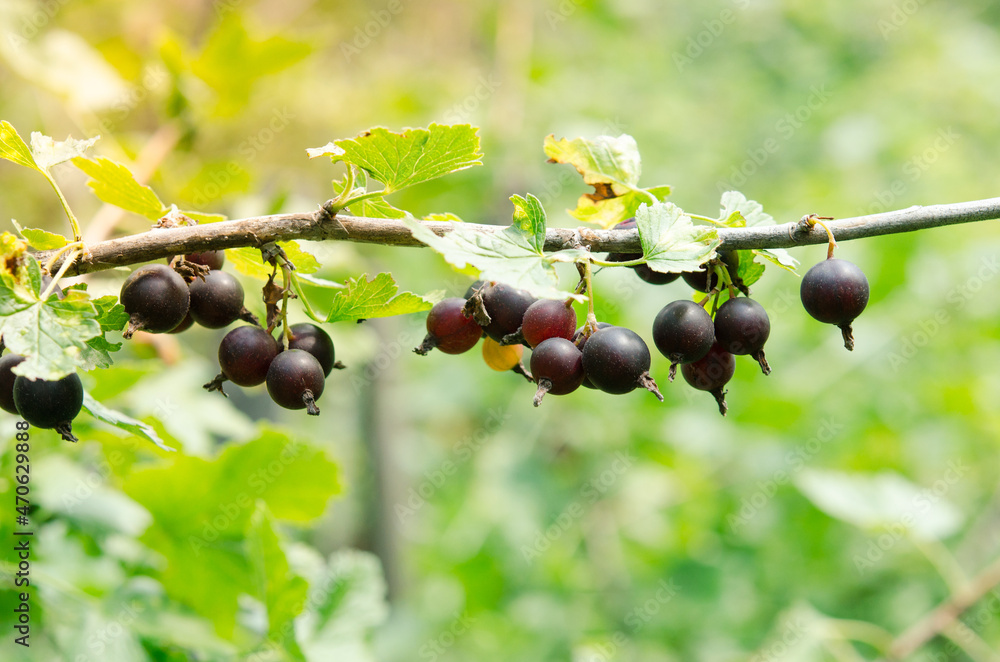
(304, 299)
(627, 263)
(77, 235)
(63, 268)
(713, 221)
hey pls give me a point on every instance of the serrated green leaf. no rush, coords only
(738, 211)
(399, 160)
(367, 299)
(510, 256)
(282, 592)
(114, 184)
(248, 260)
(376, 208)
(529, 218)
(40, 240)
(750, 271)
(121, 421)
(671, 242)
(48, 152)
(13, 148)
(111, 314)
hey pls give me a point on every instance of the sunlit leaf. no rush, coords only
(378, 297)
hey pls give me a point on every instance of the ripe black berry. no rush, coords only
(245, 355)
(641, 270)
(7, 378)
(683, 332)
(50, 405)
(835, 292)
(617, 361)
(156, 299)
(547, 318)
(580, 341)
(183, 326)
(557, 366)
(742, 327)
(295, 380)
(699, 280)
(711, 373)
(210, 259)
(505, 306)
(317, 342)
(449, 330)
(216, 301)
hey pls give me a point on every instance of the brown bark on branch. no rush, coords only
(160, 243)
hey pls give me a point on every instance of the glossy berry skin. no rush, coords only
(506, 306)
(641, 270)
(835, 292)
(548, 318)
(47, 404)
(183, 326)
(581, 341)
(683, 332)
(699, 280)
(449, 330)
(616, 360)
(216, 301)
(7, 378)
(156, 298)
(557, 366)
(742, 327)
(245, 355)
(210, 259)
(316, 341)
(295, 380)
(711, 373)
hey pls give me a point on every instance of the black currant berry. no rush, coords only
(835, 292)
(641, 270)
(7, 378)
(505, 306)
(683, 332)
(616, 360)
(210, 259)
(557, 366)
(711, 373)
(580, 341)
(474, 288)
(183, 326)
(50, 405)
(699, 280)
(742, 327)
(547, 318)
(295, 380)
(449, 330)
(156, 299)
(245, 355)
(317, 342)
(216, 300)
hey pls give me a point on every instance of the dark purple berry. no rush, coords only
(742, 327)
(156, 299)
(711, 373)
(317, 342)
(699, 280)
(505, 306)
(835, 292)
(557, 366)
(245, 355)
(183, 326)
(295, 380)
(580, 341)
(7, 378)
(474, 288)
(210, 259)
(449, 330)
(683, 332)
(617, 360)
(548, 318)
(216, 300)
(50, 404)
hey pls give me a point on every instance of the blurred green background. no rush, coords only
(430, 512)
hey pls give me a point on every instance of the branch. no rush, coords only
(319, 225)
(944, 615)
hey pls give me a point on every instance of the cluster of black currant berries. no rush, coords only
(194, 289)
(616, 359)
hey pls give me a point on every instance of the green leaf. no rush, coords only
(40, 240)
(13, 148)
(48, 152)
(443, 216)
(111, 314)
(750, 271)
(248, 260)
(881, 500)
(738, 211)
(512, 256)
(122, 422)
(282, 592)
(399, 160)
(671, 242)
(320, 282)
(612, 166)
(367, 299)
(376, 208)
(114, 184)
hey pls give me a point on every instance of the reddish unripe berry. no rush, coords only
(557, 366)
(548, 318)
(449, 330)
